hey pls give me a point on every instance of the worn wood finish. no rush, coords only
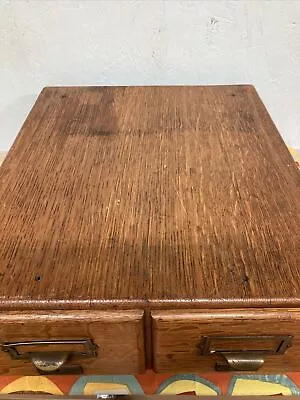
(119, 336)
(178, 337)
(149, 197)
(2, 156)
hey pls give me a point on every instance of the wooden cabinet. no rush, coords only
(147, 221)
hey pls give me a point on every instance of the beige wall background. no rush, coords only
(82, 42)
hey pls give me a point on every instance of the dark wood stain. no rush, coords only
(149, 197)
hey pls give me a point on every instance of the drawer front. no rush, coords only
(264, 340)
(88, 342)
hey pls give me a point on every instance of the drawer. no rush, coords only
(72, 342)
(265, 340)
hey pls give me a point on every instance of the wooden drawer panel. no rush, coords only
(117, 335)
(197, 340)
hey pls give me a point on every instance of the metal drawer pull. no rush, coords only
(240, 362)
(52, 361)
(243, 358)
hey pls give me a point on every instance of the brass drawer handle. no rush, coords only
(52, 361)
(240, 362)
(243, 359)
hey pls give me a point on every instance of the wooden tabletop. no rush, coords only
(149, 197)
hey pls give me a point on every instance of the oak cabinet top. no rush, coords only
(181, 196)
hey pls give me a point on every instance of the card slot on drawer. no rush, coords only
(20, 350)
(255, 343)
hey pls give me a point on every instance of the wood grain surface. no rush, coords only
(2, 156)
(178, 337)
(149, 197)
(118, 335)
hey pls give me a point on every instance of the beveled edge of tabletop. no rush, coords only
(19, 304)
